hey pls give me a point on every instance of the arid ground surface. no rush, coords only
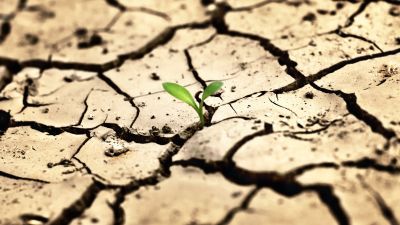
(304, 131)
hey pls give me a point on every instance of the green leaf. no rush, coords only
(211, 89)
(180, 93)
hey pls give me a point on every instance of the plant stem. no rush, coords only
(200, 112)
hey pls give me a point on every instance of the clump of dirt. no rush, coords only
(311, 17)
(154, 76)
(81, 32)
(309, 95)
(322, 11)
(62, 162)
(339, 5)
(387, 72)
(116, 146)
(166, 129)
(86, 41)
(115, 151)
(154, 131)
(29, 39)
(394, 123)
(45, 110)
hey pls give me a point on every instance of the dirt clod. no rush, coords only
(154, 76)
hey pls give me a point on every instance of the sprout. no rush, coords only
(184, 95)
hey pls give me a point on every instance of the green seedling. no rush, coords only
(184, 95)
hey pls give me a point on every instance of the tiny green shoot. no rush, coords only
(184, 95)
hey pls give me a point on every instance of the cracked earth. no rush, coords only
(304, 131)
